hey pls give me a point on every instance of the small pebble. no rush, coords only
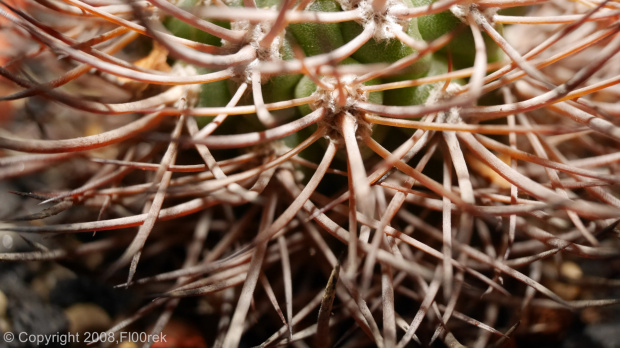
(3, 304)
(87, 317)
(7, 242)
(571, 270)
(4, 324)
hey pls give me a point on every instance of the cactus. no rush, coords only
(352, 173)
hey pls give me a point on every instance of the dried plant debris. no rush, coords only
(213, 157)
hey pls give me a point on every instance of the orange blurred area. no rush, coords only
(7, 108)
(179, 334)
(5, 29)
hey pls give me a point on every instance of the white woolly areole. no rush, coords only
(462, 11)
(191, 91)
(454, 116)
(238, 25)
(244, 73)
(258, 33)
(385, 29)
(329, 98)
(254, 34)
(438, 95)
(385, 23)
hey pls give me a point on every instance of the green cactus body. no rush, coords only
(417, 95)
(388, 51)
(318, 38)
(214, 94)
(305, 88)
(281, 87)
(181, 29)
(462, 47)
(265, 3)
